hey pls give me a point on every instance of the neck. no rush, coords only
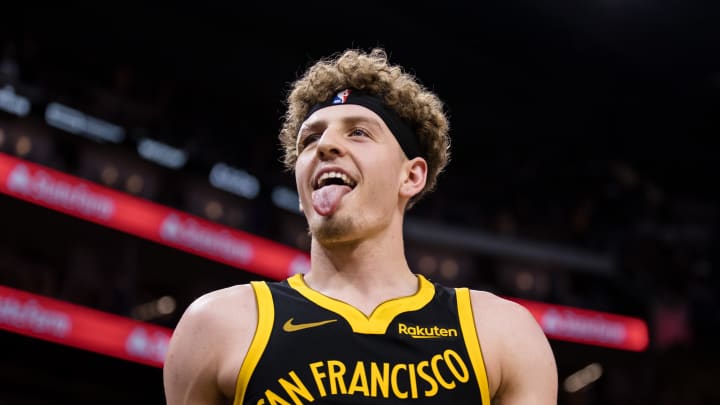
(363, 273)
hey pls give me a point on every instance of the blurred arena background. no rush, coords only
(139, 169)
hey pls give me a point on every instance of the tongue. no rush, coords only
(326, 199)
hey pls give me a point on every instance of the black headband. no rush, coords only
(399, 128)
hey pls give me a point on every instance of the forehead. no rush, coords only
(345, 114)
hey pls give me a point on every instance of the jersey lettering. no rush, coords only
(334, 377)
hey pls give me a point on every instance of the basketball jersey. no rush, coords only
(310, 348)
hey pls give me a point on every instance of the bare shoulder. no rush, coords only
(502, 326)
(519, 359)
(208, 346)
(216, 306)
(493, 308)
(216, 314)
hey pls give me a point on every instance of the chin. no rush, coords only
(333, 229)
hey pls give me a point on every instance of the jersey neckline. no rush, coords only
(380, 318)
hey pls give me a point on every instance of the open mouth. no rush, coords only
(333, 178)
(329, 188)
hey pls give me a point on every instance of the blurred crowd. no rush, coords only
(659, 234)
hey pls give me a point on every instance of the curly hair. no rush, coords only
(371, 72)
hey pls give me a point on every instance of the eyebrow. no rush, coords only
(347, 121)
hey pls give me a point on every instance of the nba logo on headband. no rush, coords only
(341, 97)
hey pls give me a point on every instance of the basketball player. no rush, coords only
(365, 141)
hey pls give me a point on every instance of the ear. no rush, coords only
(415, 177)
(300, 207)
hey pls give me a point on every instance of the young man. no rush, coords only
(365, 140)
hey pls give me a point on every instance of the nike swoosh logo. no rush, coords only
(289, 326)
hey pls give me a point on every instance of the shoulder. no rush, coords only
(217, 306)
(504, 325)
(209, 344)
(492, 308)
(217, 317)
(517, 352)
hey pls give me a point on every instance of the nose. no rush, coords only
(330, 145)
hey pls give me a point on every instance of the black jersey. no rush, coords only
(310, 348)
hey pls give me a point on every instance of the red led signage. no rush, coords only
(77, 326)
(81, 327)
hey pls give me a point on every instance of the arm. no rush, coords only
(207, 347)
(521, 364)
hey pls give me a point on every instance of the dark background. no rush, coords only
(584, 128)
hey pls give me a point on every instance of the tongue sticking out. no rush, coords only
(326, 199)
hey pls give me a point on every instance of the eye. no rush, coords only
(359, 132)
(307, 140)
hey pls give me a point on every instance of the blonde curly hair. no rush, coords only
(372, 73)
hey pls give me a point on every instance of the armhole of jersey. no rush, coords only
(472, 343)
(266, 317)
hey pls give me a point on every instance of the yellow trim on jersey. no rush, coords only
(472, 343)
(379, 320)
(266, 317)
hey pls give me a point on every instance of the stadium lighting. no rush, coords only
(162, 154)
(77, 122)
(13, 103)
(234, 180)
